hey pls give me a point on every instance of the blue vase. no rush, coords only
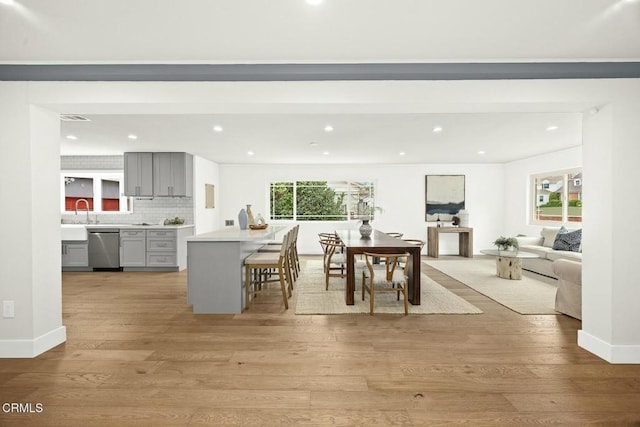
(243, 219)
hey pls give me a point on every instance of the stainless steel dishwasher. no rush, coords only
(104, 248)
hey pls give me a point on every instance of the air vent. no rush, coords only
(73, 118)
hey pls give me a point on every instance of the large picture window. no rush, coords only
(557, 197)
(321, 200)
(93, 191)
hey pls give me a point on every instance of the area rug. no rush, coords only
(531, 295)
(314, 299)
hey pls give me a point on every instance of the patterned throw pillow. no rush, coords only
(568, 241)
(549, 235)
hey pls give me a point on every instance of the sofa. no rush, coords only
(569, 294)
(553, 243)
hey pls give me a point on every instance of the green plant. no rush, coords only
(504, 243)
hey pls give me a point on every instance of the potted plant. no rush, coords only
(506, 243)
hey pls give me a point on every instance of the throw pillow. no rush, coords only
(549, 235)
(570, 241)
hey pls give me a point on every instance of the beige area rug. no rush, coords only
(314, 299)
(534, 294)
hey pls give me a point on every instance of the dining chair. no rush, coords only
(259, 263)
(335, 260)
(292, 251)
(324, 239)
(386, 277)
(416, 242)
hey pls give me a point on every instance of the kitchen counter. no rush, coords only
(78, 232)
(215, 266)
(234, 234)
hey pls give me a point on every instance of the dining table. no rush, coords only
(382, 243)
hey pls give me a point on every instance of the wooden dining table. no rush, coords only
(382, 243)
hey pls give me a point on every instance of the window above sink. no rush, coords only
(96, 191)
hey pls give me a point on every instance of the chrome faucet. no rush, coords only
(86, 204)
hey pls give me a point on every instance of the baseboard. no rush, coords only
(32, 348)
(610, 353)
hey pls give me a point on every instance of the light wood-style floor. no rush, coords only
(136, 355)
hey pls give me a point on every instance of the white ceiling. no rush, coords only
(337, 31)
(356, 138)
(285, 31)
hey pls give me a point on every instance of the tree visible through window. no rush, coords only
(557, 197)
(321, 200)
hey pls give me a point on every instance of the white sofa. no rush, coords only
(543, 247)
(569, 294)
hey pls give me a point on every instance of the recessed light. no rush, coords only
(437, 129)
(402, 153)
(314, 2)
(72, 137)
(551, 128)
(326, 153)
(217, 128)
(251, 153)
(481, 152)
(132, 136)
(328, 128)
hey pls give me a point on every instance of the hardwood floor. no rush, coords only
(136, 355)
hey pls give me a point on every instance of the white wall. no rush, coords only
(205, 172)
(30, 253)
(400, 192)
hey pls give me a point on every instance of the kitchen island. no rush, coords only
(215, 266)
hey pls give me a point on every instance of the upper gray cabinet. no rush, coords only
(138, 174)
(173, 174)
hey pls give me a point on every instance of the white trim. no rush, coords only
(610, 353)
(34, 347)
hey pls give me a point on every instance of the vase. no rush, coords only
(243, 219)
(464, 218)
(250, 219)
(260, 219)
(365, 228)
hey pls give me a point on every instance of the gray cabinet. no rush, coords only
(173, 174)
(162, 248)
(133, 248)
(75, 254)
(138, 174)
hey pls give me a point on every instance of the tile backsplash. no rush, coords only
(151, 211)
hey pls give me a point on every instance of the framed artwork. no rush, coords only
(209, 196)
(444, 196)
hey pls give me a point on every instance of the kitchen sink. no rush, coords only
(73, 232)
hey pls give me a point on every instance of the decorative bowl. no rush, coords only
(258, 226)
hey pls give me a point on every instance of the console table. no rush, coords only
(465, 240)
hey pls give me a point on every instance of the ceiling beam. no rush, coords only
(318, 72)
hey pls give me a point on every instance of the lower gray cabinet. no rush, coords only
(162, 248)
(75, 254)
(133, 248)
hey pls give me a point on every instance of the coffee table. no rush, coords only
(509, 263)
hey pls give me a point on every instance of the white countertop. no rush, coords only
(234, 234)
(78, 232)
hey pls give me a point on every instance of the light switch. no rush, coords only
(8, 311)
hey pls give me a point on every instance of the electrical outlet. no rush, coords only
(228, 223)
(8, 311)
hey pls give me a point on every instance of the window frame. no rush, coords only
(534, 195)
(347, 203)
(97, 176)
